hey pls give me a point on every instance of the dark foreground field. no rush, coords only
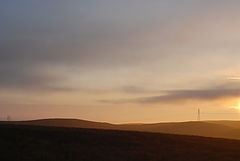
(33, 143)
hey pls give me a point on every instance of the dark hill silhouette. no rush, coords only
(32, 143)
(221, 129)
(67, 123)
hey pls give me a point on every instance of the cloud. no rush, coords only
(87, 39)
(94, 36)
(183, 95)
(132, 89)
(176, 96)
(29, 78)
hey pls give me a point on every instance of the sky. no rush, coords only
(120, 61)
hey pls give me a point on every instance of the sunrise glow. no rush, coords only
(119, 61)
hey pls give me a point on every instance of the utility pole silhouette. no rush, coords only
(198, 115)
(8, 118)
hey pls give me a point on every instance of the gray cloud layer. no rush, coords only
(183, 95)
(176, 96)
(80, 34)
(37, 37)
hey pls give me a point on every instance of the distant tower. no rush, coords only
(198, 116)
(8, 118)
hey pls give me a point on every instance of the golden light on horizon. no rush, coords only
(237, 106)
(234, 78)
(143, 62)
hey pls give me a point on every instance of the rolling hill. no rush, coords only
(221, 129)
(37, 143)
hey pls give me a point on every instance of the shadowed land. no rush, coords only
(33, 143)
(220, 129)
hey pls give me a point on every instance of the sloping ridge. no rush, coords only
(221, 129)
(76, 123)
(31, 143)
(230, 123)
(188, 128)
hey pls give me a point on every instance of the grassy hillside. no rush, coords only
(65, 123)
(33, 143)
(187, 128)
(221, 129)
(230, 123)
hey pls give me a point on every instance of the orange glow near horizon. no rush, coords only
(120, 61)
(237, 106)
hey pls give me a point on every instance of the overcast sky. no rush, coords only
(120, 60)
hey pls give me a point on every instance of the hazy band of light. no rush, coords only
(234, 78)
